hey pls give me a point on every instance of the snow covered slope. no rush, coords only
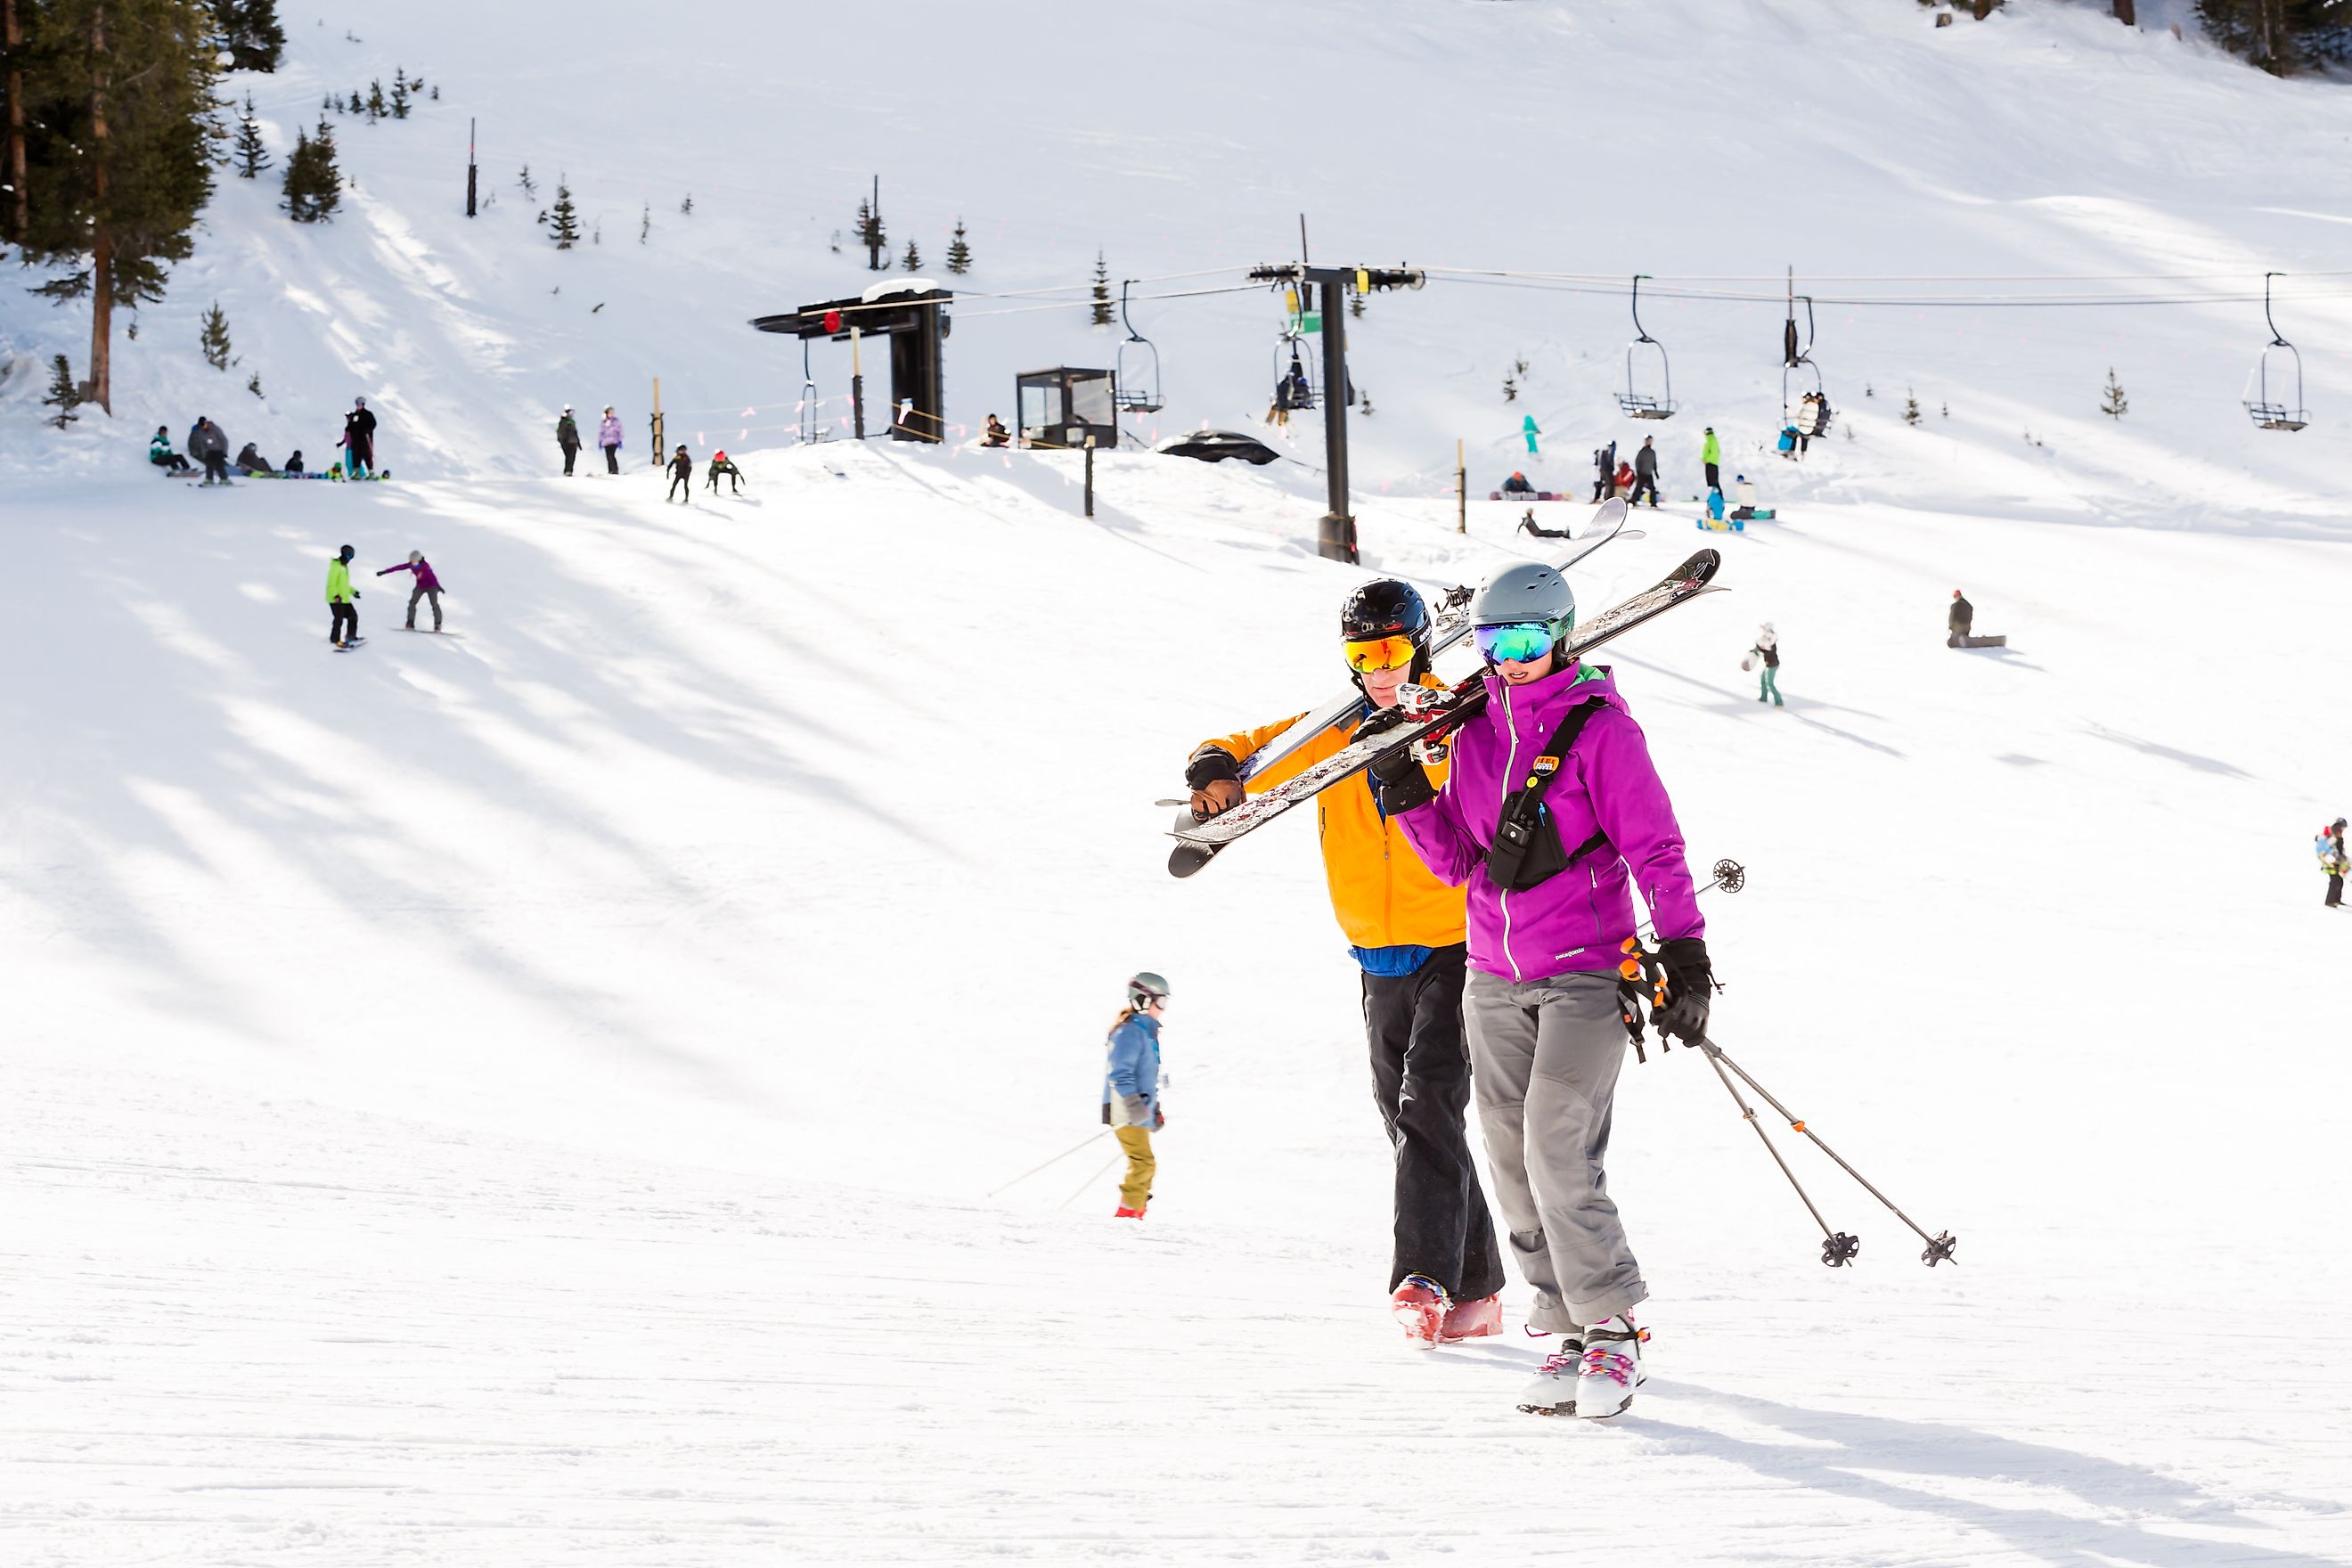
(554, 1092)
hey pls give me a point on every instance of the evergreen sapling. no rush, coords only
(252, 157)
(64, 395)
(958, 252)
(2111, 401)
(1099, 308)
(566, 225)
(214, 337)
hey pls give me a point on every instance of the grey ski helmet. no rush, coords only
(1530, 592)
(1145, 987)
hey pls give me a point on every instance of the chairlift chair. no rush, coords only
(1649, 389)
(2274, 386)
(1138, 366)
(1799, 374)
(1294, 367)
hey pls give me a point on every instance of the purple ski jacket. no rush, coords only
(608, 433)
(1577, 920)
(423, 569)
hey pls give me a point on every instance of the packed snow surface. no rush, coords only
(565, 1090)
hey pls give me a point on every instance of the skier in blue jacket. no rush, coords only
(1131, 1088)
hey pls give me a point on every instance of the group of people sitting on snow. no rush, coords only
(209, 449)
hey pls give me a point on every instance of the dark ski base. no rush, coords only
(347, 646)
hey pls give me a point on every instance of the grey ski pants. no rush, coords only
(1545, 1056)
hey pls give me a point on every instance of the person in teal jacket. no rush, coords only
(1529, 428)
(343, 629)
(1131, 1102)
(1711, 452)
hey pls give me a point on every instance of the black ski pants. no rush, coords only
(346, 623)
(677, 479)
(571, 456)
(1643, 482)
(1421, 1076)
(1714, 476)
(2335, 890)
(216, 469)
(612, 460)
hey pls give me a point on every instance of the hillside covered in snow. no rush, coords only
(561, 1091)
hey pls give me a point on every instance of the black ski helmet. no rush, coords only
(1387, 607)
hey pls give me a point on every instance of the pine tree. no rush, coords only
(958, 252)
(313, 183)
(357, 105)
(646, 223)
(437, 92)
(112, 111)
(1510, 389)
(399, 93)
(872, 236)
(1910, 406)
(375, 104)
(249, 31)
(567, 216)
(524, 180)
(214, 337)
(252, 157)
(1099, 310)
(686, 207)
(2111, 401)
(253, 384)
(64, 395)
(913, 260)
(327, 105)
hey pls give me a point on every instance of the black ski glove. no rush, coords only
(1216, 781)
(1401, 783)
(1690, 987)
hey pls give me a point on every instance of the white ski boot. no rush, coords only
(1610, 1369)
(1552, 1390)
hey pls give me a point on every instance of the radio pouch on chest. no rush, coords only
(1527, 849)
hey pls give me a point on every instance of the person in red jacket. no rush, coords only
(428, 586)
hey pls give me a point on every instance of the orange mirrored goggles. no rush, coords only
(1379, 653)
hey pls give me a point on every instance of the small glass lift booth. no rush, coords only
(1062, 407)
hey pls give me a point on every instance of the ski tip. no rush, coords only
(1187, 859)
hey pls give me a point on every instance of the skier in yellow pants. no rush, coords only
(1131, 1088)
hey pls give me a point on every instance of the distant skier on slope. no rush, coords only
(567, 436)
(1766, 656)
(427, 586)
(2332, 860)
(1530, 429)
(721, 464)
(1131, 1104)
(1710, 456)
(1547, 1038)
(344, 626)
(208, 445)
(681, 472)
(609, 436)
(1645, 473)
(359, 440)
(1406, 930)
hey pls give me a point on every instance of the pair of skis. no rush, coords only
(1200, 842)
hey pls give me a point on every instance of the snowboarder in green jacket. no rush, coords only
(344, 627)
(1711, 452)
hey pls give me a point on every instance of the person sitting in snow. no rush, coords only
(681, 472)
(1517, 485)
(996, 434)
(160, 453)
(1131, 1103)
(294, 464)
(1958, 619)
(721, 464)
(249, 461)
(427, 586)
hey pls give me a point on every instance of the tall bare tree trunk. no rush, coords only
(2126, 14)
(20, 217)
(101, 261)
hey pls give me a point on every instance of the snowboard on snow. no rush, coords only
(347, 646)
(1199, 842)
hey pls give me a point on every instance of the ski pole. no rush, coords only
(1090, 1180)
(1838, 1249)
(1939, 1248)
(1057, 1159)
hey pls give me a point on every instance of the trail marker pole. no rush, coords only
(1461, 490)
(1090, 476)
(857, 386)
(471, 172)
(659, 455)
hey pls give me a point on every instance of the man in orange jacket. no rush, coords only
(1406, 930)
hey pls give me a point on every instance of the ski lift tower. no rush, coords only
(912, 314)
(1336, 538)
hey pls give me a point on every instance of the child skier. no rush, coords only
(342, 601)
(681, 472)
(1404, 930)
(2332, 861)
(427, 586)
(1767, 654)
(1556, 755)
(1131, 1088)
(720, 464)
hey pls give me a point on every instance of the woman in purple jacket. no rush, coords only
(1555, 758)
(427, 586)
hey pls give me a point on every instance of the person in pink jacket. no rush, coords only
(608, 436)
(1553, 815)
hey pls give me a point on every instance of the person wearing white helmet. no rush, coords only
(567, 435)
(1131, 1103)
(1766, 657)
